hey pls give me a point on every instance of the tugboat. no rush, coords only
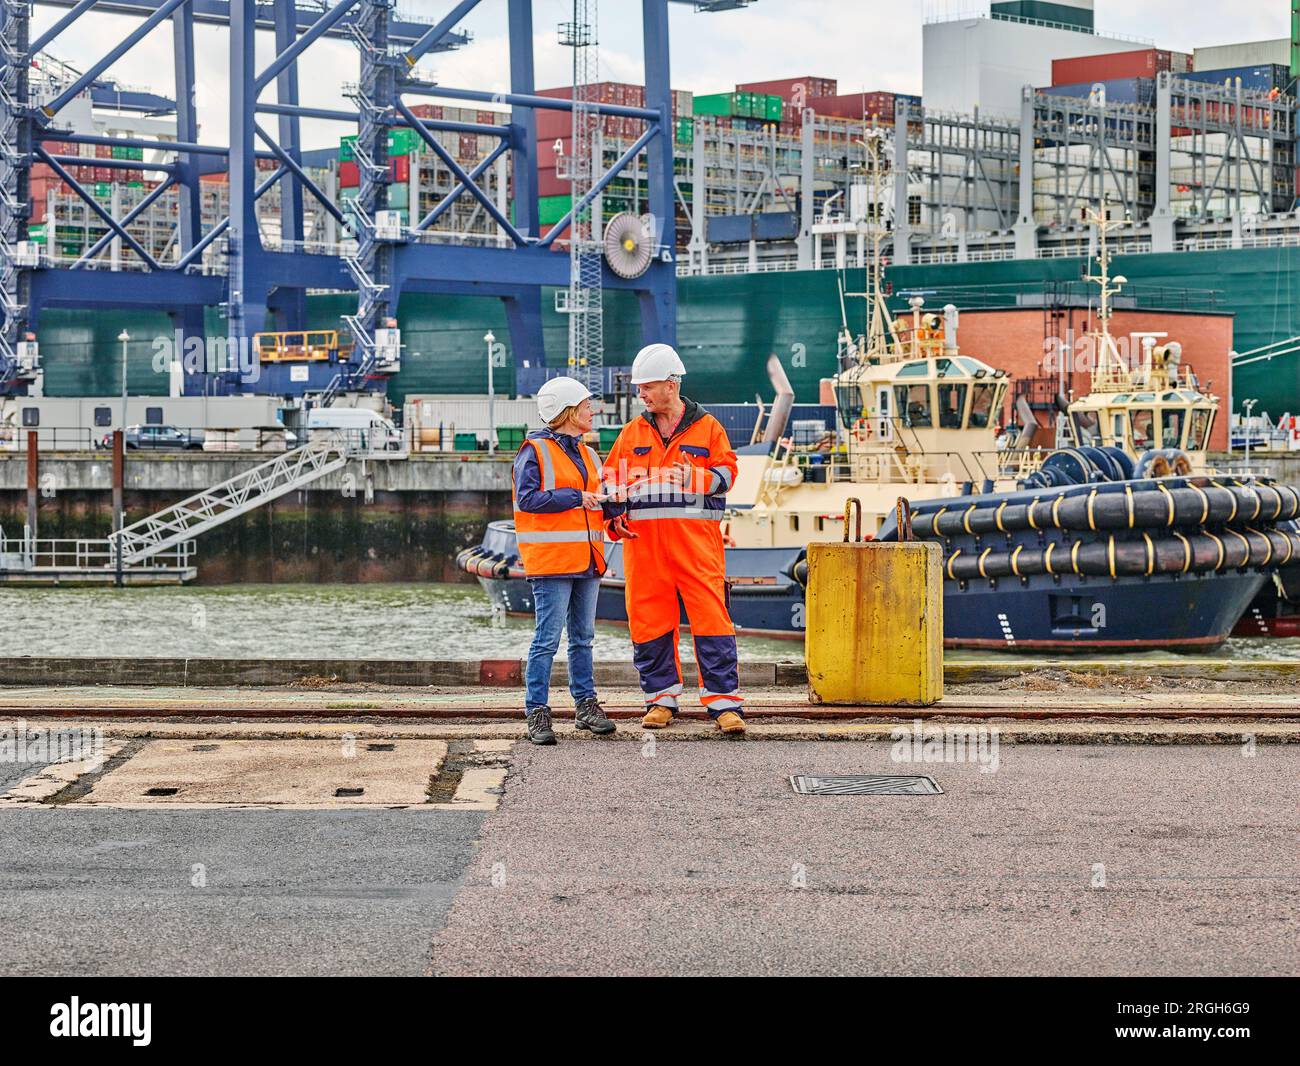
(1082, 549)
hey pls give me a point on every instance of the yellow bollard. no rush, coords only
(875, 621)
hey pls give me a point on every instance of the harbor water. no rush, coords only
(376, 621)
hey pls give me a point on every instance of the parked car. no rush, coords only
(158, 438)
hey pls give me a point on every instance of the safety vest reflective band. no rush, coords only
(641, 514)
(565, 542)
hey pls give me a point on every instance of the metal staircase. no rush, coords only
(583, 300)
(14, 15)
(240, 494)
(371, 265)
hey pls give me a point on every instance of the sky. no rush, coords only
(865, 44)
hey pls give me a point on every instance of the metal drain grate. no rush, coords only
(865, 785)
(161, 791)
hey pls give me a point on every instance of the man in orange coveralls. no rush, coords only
(673, 466)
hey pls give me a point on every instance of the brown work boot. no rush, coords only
(730, 722)
(657, 718)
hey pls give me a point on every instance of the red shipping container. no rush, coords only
(546, 151)
(104, 173)
(548, 184)
(400, 168)
(552, 124)
(349, 175)
(103, 151)
(794, 91)
(467, 146)
(1142, 63)
(427, 111)
(856, 106)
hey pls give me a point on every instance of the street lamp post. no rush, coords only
(119, 459)
(1248, 406)
(490, 340)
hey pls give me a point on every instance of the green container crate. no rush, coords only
(135, 185)
(402, 141)
(346, 149)
(117, 152)
(70, 249)
(36, 234)
(775, 109)
(550, 209)
(608, 435)
(135, 153)
(466, 442)
(716, 104)
(103, 190)
(511, 438)
(399, 196)
(684, 133)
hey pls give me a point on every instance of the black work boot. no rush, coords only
(591, 715)
(539, 726)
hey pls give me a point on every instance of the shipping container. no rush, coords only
(729, 229)
(684, 131)
(879, 105)
(794, 91)
(427, 111)
(1142, 63)
(1247, 54)
(346, 149)
(550, 209)
(402, 140)
(1140, 91)
(725, 104)
(399, 167)
(1261, 79)
(349, 175)
(776, 226)
(399, 196)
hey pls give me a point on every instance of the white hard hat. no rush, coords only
(655, 362)
(557, 394)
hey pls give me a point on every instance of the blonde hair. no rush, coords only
(563, 417)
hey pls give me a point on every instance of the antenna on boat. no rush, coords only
(1111, 372)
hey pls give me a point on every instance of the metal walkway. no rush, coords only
(230, 499)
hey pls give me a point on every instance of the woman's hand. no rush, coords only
(591, 501)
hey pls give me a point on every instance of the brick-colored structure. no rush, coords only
(1017, 340)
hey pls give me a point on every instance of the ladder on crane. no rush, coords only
(240, 494)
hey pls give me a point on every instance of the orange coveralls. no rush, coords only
(677, 552)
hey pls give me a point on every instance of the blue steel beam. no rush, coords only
(105, 94)
(124, 288)
(164, 8)
(190, 196)
(599, 186)
(130, 217)
(523, 120)
(464, 179)
(110, 164)
(438, 33)
(305, 182)
(289, 152)
(220, 227)
(95, 206)
(289, 53)
(658, 299)
(479, 169)
(217, 13)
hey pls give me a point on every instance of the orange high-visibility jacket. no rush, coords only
(563, 542)
(674, 526)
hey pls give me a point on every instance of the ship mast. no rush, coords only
(1111, 374)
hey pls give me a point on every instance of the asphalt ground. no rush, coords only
(121, 892)
(701, 860)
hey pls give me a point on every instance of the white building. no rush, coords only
(985, 62)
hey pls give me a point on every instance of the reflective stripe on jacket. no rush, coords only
(568, 541)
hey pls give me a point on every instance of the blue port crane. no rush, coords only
(264, 288)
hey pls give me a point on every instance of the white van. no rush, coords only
(362, 427)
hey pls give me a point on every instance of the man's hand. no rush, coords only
(681, 475)
(620, 528)
(591, 501)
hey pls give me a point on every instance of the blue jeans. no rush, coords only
(559, 601)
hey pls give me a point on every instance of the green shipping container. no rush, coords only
(103, 190)
(36, 234)
(717, 104)
(399, 195)
(550, 209)
(685, 131)
(402, 141)
(346, 153)
(775, 109)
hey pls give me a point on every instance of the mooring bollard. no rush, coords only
(875, 619)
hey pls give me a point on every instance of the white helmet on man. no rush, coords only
(557, 394)
(656, 362)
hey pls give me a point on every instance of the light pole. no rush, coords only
(119, 475)
(1248, 406)
(125, 338)
(490, 340)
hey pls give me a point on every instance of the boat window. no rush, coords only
(1199, 438)
(1087, 428)
(914, 405)
(983, 406)
(848, 399)
(914, 370)
(972, 366)
(952, 405)
(1143, 424)
(1172, 421)
(1144, 397)
(1121, 399)
(1171, 397)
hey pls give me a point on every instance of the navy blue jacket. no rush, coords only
(531, 497)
